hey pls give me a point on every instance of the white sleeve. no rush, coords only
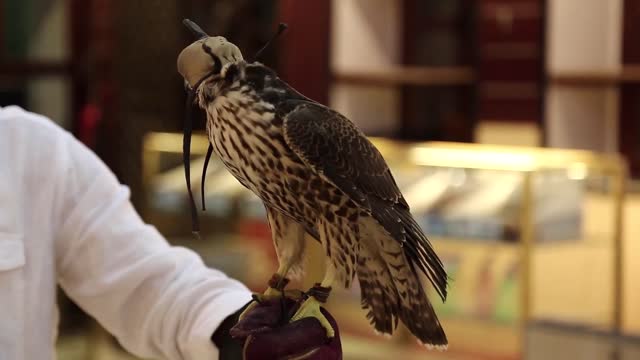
(159, 301)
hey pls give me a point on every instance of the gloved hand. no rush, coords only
(265, 333)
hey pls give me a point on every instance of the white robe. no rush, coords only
(64, 218)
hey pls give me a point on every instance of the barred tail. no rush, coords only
(391, 289)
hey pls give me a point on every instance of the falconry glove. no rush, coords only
(265, 332)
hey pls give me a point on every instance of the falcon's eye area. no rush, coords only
(217, 64)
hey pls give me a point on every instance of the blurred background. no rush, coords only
(512, 127)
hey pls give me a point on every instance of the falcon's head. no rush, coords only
(205, 57)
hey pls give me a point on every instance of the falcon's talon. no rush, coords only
(311, 308)
(247, 310)
(258, 298)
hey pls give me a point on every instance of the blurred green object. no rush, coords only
(20, 21)
(451, 307)
(15, 32)
(507, 300)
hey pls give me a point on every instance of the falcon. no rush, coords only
(318, 175)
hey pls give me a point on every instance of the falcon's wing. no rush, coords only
(332, 146)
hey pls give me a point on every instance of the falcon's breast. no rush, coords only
(247, 137)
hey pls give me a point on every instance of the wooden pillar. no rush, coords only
(510, 60)
(80, 16)
(629, 119)
(304, 49)
(438, 36)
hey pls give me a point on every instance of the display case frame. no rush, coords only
(526, 161)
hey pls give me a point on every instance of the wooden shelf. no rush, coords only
(629, 74)
(27, 68)
(407, 75)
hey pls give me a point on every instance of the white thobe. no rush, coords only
(65, 219)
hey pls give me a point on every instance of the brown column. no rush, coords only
(304, 49)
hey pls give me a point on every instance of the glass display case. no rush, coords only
(531, 238)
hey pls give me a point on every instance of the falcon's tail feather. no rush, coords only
(391, 290)
(398, 222)
(421, 253)
(377, 294)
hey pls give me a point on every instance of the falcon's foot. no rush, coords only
(311, 308)
(275, 290)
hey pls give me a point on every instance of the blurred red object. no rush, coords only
(89, 119)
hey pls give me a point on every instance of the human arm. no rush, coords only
(158, 300)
